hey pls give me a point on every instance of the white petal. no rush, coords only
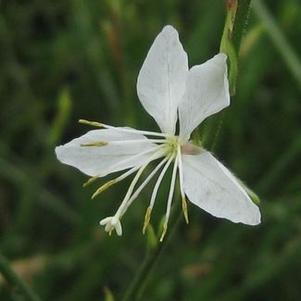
(161, 80)
(207, 92)
(102, 160)
(209, 185)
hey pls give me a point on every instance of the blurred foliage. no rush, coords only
(70, 59)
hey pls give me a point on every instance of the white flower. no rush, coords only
(170, 92)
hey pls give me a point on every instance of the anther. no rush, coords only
(92, 123)
(147, 219)
(184, 208)
(91, 180)
(97, 143)
(164, 230)
(103, 188)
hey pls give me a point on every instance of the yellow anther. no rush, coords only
(164, 230)
(97, 143)
(184, 208)
(147, 219)
(92, 123)
(91, 180)
(103, 188)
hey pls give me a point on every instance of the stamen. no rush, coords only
(129, 192)
(91, 180)
(184, 209)
(184, 202)
(117, 142)
(159, 180)
(155, 192)
(164, 230)
(96, 143)
(144, 183)
(147, 218)
(121, 142)
(92, 123)
(122, 129)
(170, 195)
(123, 205)
(112, 182)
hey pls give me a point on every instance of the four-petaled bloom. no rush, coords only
(169, 92)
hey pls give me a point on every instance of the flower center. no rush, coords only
(186, 148)
(172, 144)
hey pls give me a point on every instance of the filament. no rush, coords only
(184, 203)
(159, 180)
(137, 141)
(145, 182)
(134, 182)
(114, 181)
(102, 143)
(170, 195)
(122, 129)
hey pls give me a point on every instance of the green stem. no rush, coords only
(279, 39)
(235, 24)
(135, 290)
(15, 280)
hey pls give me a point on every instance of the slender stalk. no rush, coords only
(16, 281)
(235, 24)
(278, 38)
(136, 288)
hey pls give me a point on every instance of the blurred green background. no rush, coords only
(70, 59)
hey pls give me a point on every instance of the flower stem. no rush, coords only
(235, 24)
(15, 280)
(136, 288)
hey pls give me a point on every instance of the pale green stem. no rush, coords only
(235, 24)
(135, 290)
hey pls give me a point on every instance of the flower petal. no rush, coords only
(212, 187)
(102, 160)
(207, 92)
(161, 80)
